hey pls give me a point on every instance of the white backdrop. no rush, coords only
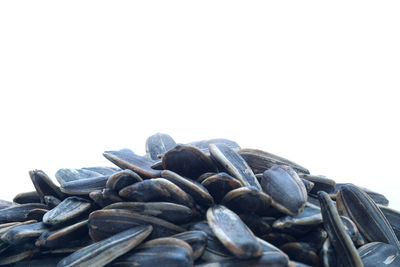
(312, 81)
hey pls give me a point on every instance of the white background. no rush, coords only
(314, 81)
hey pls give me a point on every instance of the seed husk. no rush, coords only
(51, 201)
(247, 200)
(260, 161)
(218, 185)
(320, 183)
(203, 145)
(102, 170)
(27, 197)
(300, 224)
(188, 161)
(157, 189)
(362, 210)
(234, 164)
(104, 223)
(271, 260)
(278, 239)
(8, 226)
(378, 198)
(168, 252)
(158, 144)
(288, 193)
(233, 233)
(5, 204)
(25, 233)
(105, 197)
(379, 254)
(36, 214)
(18, 213)
(315, 238)
(328, 255)
(196, 239)
(126, 159)
(301, 252)
(121, 179)
(44, 186)
(341, 242)
(68, 209)
(393, 217)
(352, 230)
(83, 187)
(194, 189)
(62, 237)
(103, 252)
(214, 250)
(256, 224)
(13, 255)
(39, 262)
(66, 175)
(171, 212)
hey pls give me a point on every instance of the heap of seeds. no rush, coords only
(206, 203)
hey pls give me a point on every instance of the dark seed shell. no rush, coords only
(27, 197)
(203, 145)
(196, 239)
(234, 164)
(68, 209)
(233, 233)
(379, 254)
(103, 252)
(158, 144)
(105, 197)
(122, 179)
(44, 186)
(247, 200)
(171, 212)
(362, 210)
(83, 187)
(13, 255)
(214, 250)
(218, 185)
(260, 161)
(393, 216)
(167, 252)
(320, 183)
(23, 234)
(126, 159)
(194, 189)
(104, 223)
(188, 161)
(66, 175)
(62, 237)
(288, 193)
(300, 224)
(18, 213)
(301, 252)
(341, 242)
(157, 189)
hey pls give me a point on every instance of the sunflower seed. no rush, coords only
(234, 164)
(362, 210)
(104, 223)
(188, 161)
(233, 233)
(287, 191)
(158, 144)
(68, 209)
(103, 252)
(260, 161)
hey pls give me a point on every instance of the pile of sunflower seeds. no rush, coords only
(208, 203)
